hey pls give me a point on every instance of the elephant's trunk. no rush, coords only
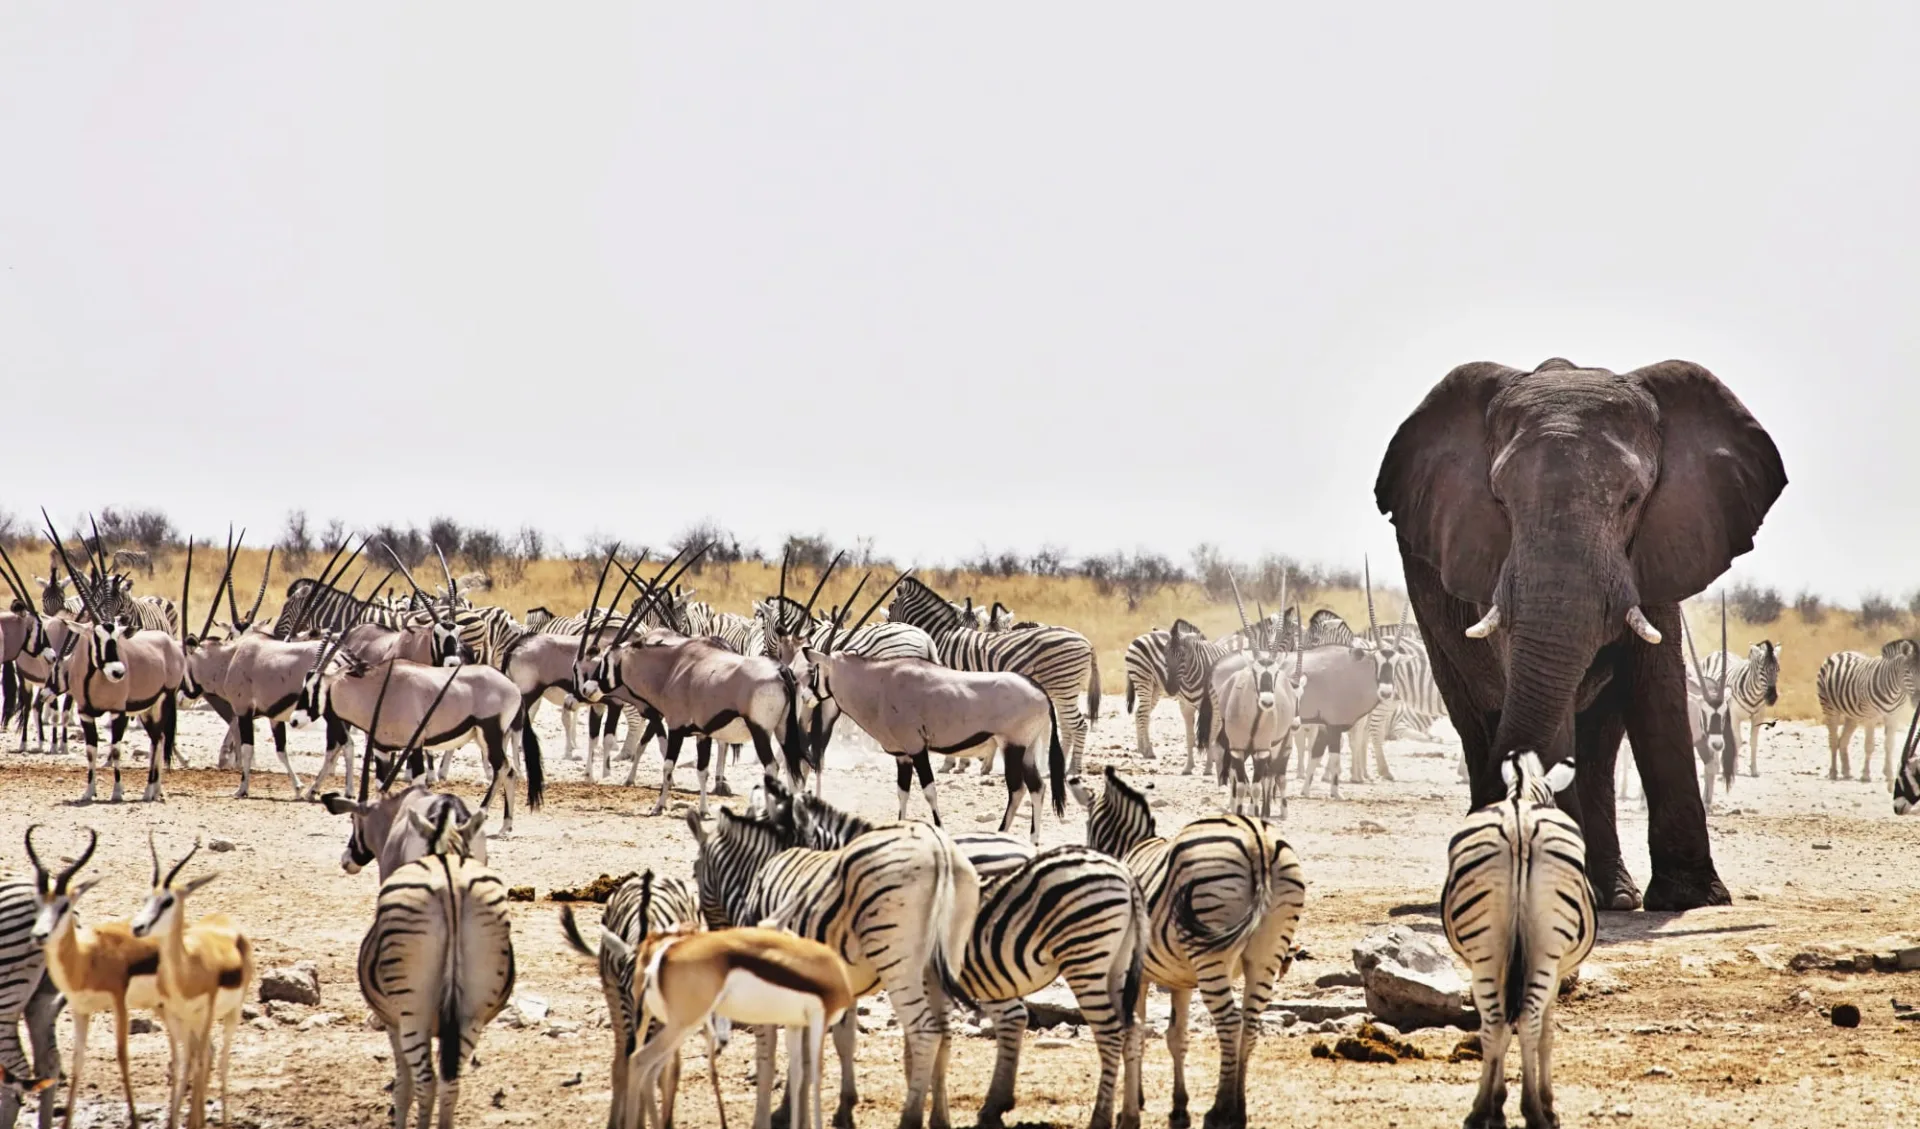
(1559, 609)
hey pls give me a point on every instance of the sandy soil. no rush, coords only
(1686, 1019)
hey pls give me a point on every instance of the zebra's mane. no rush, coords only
(1128, 794)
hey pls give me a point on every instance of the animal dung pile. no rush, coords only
(598, 890)
(1369, 1044)
(520, 893)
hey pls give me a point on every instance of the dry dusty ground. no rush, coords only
(1700, 1027)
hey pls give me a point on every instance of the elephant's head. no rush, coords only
(1562, 499)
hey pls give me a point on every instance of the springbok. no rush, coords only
(205, 970)
(765, 977)
(105, 967)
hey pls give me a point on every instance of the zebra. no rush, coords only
(643, 905)
(1188, 665)
(436, 965)
(1519, 911)
(130, 559)
(1070, 911)
(883, 640)
(1856, 690)
(1224, 897)
(1146, 664)
(1060, 660)
(1755, 684)
(314, 605)
(1326, 626)
(897, 903)
(1416, 704)
(26, 993)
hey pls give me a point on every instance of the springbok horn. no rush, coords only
(1488, 623)
(1637, 620)
(154, 853)
(40, 876)
(171, 874)
(85, 590)
(262, 593)
(831, 565)
(594, 603)
(366, 760)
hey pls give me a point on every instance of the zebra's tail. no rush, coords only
(1129, 697)
(1231, 934)
(1133, 980)
(450, 1024)
(571, 929)
(1056, 763)
(1093, 689)
(956, 902)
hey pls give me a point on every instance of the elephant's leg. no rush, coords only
(1596, 737)
(1656, 716)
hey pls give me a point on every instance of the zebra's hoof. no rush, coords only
(1178, 1119)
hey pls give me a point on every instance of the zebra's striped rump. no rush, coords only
(436, 967)
(1518, 910)
(1224, 898)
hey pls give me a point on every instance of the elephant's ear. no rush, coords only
(1434, 483)
(1719, 474)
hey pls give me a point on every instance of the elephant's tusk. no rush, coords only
(1485, 627)
(1637, 620)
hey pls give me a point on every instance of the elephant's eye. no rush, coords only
(1632, 499)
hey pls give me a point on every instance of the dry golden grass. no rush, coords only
(1074, 602)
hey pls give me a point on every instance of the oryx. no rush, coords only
(915, 708)
(1710, 715)
(111, 669)
(448, 705)
(694, 687)
(1251, 707)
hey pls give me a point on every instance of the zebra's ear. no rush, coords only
(1560, 776)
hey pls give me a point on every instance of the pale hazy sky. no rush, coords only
(1098, 274)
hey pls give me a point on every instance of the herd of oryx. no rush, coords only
(795, 908)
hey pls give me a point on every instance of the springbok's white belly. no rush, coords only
(748, 999)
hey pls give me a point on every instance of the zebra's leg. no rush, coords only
(1177, 1117)
(1081, 727)
(1093, 990)
(923, 767)
(1753, 744)
(1537, 1106)
(43, 1007)
(1490, 1102)
(1866, 747)
(654, 728)
(1009, 1028)
(674, 740)
(1839, 736)
(1528, 1032)
(1144, 699)
(1216, 991)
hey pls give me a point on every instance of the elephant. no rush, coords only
(1549, 523)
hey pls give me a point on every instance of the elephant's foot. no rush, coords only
(1615, 891)
(1671, 891)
